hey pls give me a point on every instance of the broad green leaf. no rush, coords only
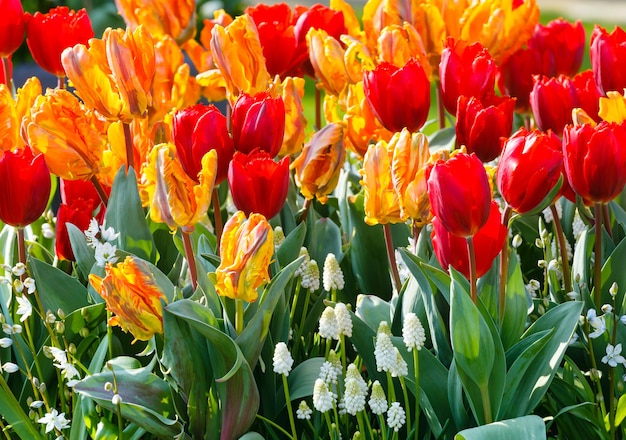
(301, 380)
(373, 310)
(522, 428)
(325, 238)
(57, 289)
(620, 412)
(126, 215)
(14, 415)
(83, 253)
(442, 139)
(289, 250)
(516, 306)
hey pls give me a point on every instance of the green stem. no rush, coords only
(484, 394)
(21, 249)
(294, 301)
(191, 259)
(504, 265)
(383, 426)
(303, 315)
(597, 266)
(109, 335)
(238, 316)
(472, 262)
(560, 235)
(391, 390)
(405, 394)
(274, 425)
(342, 342)
(292, 423)
(329, 424)
(416, 366)
(359, 419)
(612, 399)
(391, 256)
(217, 219)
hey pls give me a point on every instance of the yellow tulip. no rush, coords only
(428, 20)
(327, 58)
(175, 198)
(349, 17)
(381, 200)
(397, 44)
(318, 166)
(238, 54)
(246, 250)
(133, 296)
(161, 17)
(613, 107)
(292, 91)
(71, 138)
(12, 111)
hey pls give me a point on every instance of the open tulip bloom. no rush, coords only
(310, 222)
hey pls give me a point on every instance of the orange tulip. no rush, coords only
(161, 17)
(327, 58)
(292, 91)
(12, 112)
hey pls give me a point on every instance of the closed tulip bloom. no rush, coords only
(258, 122)
(451, 250)
(530, 167)
(397, 44)
(318, 166)
(78, 212)
(24, 187)
(398, 96)
(13, 110)
(246, 251)
(465, 69)
(552, 101)
(595, 160)
(515, 76)
(195, 131)
(587, 94)
(133, 297)
(161, 17)
(562, 45)
(48, 35)
(12, 26)
(327, 57)
(608, 52)
(481, 126)
(459, 194)
(257, 183)
(175, 198)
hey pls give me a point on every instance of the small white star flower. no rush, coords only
(108, 234)
(19, 269)
(54, 420)
(6, 342)
(25, 308)
(105, 253)
(613, 356)
(282, 359)
(29, 283)
(597, 323)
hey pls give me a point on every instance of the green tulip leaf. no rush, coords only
(302, 379)
(325, 239)
(442, 139)
(289, 250)
(83, 253)
(522, 428)
(57, 289)
(517, 304)
(14, 415)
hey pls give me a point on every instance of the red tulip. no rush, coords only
(257, 183)
(562, 45)
(398, 96)
(258, 123)
(79, 213)
(47, 35)
(482, 125)
(552, 101)
(12, 24)
(515, 76)
(465, 70)
(80, 189)
(24, 187)
(451, 250)
(530, 167)
(608, 55)
(595, 160)
(587, 94)
(459, 193)
(198, 129)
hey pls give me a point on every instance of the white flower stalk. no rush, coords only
(332, 275)
(302, 268)
(396, 417)
(352, 372)
(344, 321)
(354, 397)
(378, 400)
(54, 420)
(25, 308)
(331, 369)
(279, 237)
(282, 359)
(329, 327)
(413, 332)
(399, 368)
(613, 356)
(304, 412)
(323, 398)
(384, 351)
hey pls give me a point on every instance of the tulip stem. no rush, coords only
(472, 263)
(504, 265)
(191, 259)
(305, 210)
(217, 219)
(100, 190)
(318, 109)
(597, 250)
(607, 219)
(391, 255)
(21, 249)
(417, 230)
(560, 235)
(5, 69)
(128, 139)
(441, 110)
(238, 316)
(61, 82)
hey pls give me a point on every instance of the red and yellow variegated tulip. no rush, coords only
(133, 296)
(238, 54)
(381, 200)
(428, 20)
(318, 166)
(161, 17)
(398, 44)
(71, 138)
(12, 111)
(246, 250)
(114, 75)
(327, 57)
(292, 91)
(613, 107)
(350, 20)
(175, 198)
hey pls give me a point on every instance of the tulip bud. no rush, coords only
(552, 101)
(12, 23)
(258, 122)
(608, 52)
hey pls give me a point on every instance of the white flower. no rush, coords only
(19, 269)
(533, 287)
(399, 368)
(331, 369)
(68, 371)
(396, 416)
(108, 234)
(54, 420)
(597, 323)
(332, 276)
(413, 332)
(384, 352)
(29, 283)
(92, 231)
(105, 253)
(310, 276)
(47, 230)
(353, 373)
(613, 356)
(344, 321)
(578, 226)
(517, 241)
(353, 398)
(623, 319)
(606, 308)
(329, 327)
(6, 342)
(323, 398)
(116, 399)
(10, 367)
(304, 412)
(36, 404)
(302, 268)
(25, 308)
(279, 237)
(282, 359)
(378, 401)
(403, 269)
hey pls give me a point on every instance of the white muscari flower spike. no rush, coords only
(399, 368)
(613, 356)
(29, 283)
(304, 412)
(25, 308)
(352, 372)
(597, 323)
(282, 359)
(329, 327)
(384, 352)
(344, 321)
(10, 367)
(54, 420)
(413, 332)
(354, 397)
(279, 237)
(396, 416)
(323, 398)
(332, 275)
(378, 400)
(302, 268)
(311, 276)
(331, 369)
